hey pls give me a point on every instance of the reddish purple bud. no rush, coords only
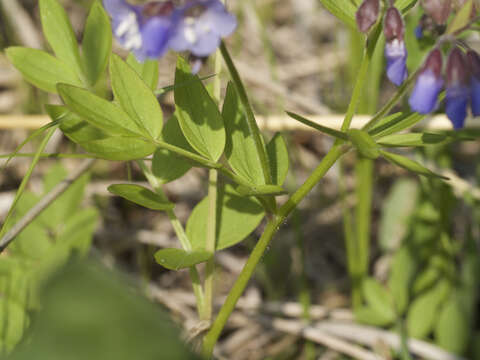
(457, 71)
(393, 27)
(434, 62)
(367, 14)
(438, 10)
(473, 60)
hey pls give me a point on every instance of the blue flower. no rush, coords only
(143, 29)
(428, 85)
(395, 51)
(201, 26)
(458, 88)
(396, 55)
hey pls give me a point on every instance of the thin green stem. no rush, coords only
(252, 123)
(272, 227)
(181, 235)
(211, 242)
(363, 210)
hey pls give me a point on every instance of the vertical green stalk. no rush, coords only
(182, 237)
(363, 211)
(276, 220)
(211, 241)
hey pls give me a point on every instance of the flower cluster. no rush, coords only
(462, 85)
(151, 29)
(394, 29)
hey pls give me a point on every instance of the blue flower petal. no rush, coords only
(475, 95)
(456, 101)
(424, 96)
(155, 35)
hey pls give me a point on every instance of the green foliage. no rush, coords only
(453, 327)
(62, 230)
(279, 160)
(379, 309)
(364, 143)
(166, 165)
(91, 313)
(231, 208)
(136, 98)
(342, 9)
(59, 34)
(176, 259)
(147, 70)
(97, 43)
(198, 114)
(402, 273)
(462, 18)
(42, 69)
(409, 164)
(141, 196)
(412, 139)
(240, 149)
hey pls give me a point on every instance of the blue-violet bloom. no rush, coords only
(143, 29)
(395, 51)
(202, 24)
(428, 85)
(474, 68)
(458, 88)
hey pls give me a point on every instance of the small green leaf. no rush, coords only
(59, 33)
(422, 314)
(364, 143)
(401, 275)
(141, 196)
(260, 190)
(97, 142)
(198, 114)
(135, 97)
(370, 316)
(237, 218)
(395, 123)
(97, 111)
(41, 69)
(461, 19)
(240, 149)
(147, 70)
(97, 42)
(176, 259)
(342, 9)
(378, 298)
(278, 159)
(397, 209)
(452, 331)
(405, 5)
(166, 165)
(410, 165)
(411, 139)
(323, 129)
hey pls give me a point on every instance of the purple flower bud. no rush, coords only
(473, 60)
(143, 29)
(438, 10)
(395, 51)
(429, 83)
(202, 25)
(458, 89)
(367, 14)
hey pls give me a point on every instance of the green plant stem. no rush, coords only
(272, 227)
(182, 237)
(252, 123)
(363, 210)
(276, 220)
(211, 242)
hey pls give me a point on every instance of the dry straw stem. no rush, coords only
(270, 123)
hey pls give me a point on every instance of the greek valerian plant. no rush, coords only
(130, 124)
